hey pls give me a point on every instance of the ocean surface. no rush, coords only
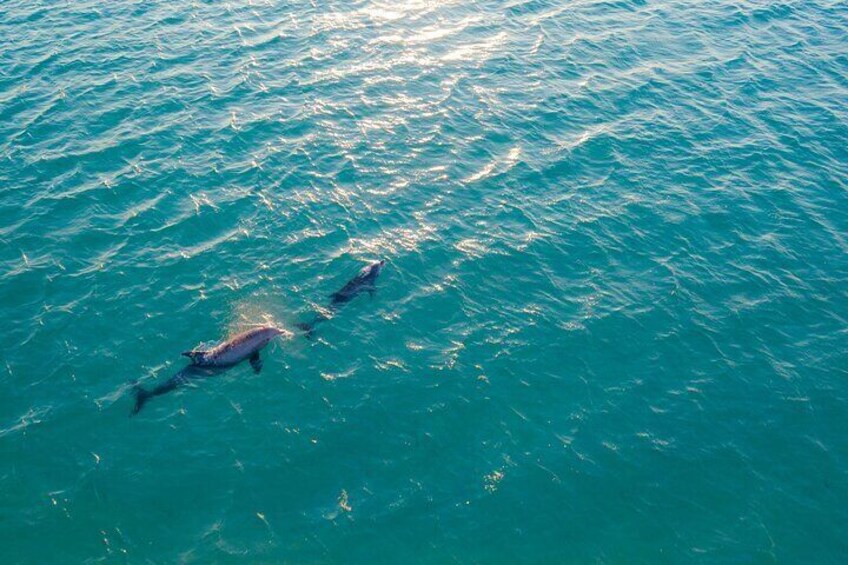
(612, 326)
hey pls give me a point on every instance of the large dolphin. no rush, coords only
(364, 281)
(209, 362)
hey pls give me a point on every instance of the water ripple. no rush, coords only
(615, 283)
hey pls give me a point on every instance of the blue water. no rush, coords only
(612, 327)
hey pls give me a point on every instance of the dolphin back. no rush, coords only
(362, 282)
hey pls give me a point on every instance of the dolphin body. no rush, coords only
(209, 362)
(364, 281)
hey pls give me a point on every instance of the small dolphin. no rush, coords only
(209, 362)
(364, 281)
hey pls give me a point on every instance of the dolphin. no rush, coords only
(364, 281)
(209, 362)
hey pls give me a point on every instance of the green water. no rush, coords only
(611, 327)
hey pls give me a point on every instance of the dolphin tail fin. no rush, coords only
(141, 397)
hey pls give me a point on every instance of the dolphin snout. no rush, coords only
(269, 332)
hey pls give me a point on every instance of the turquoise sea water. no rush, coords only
(613, 324)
